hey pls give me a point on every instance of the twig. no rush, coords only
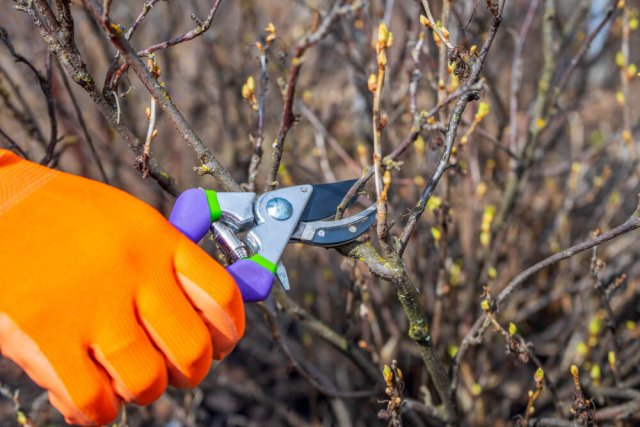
(44, 82)
(601, 289)
(538, 122)
(393, 271)
(25, 116)
(415, 74)
(516, 73)
(209, 163)
(146, 7)
(250, 390)
(434, 26)
(60, 41)
(575, 61)
(552, 422)
(443, 166)
(619, 411)
(443, 57)
(415, 131)
(481, 324)
(13, 144)
(142, 162)
(201, 28)
(258, 139)
(323, 331)
(277, 336)
(110, 82)
(106, 5)
(335, 145)
(288, 117)
(429, 411)
(627, 138)
(83, 125)
(151, 133)
(21, 417)
(454, 121)
(539, 119)
(632, 223)
(376, 83)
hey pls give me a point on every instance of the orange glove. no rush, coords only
(101, 299)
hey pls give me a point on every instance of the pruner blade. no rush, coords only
(325, 198)
(283, 277)
(334, 233)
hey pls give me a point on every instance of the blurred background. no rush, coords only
(553, 160)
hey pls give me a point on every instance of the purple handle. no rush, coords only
(191, 214)
(254, 280)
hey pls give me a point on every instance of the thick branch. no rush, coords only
(210, 164)
(63, 46)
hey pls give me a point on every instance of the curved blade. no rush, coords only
(324, 200)
(334, 233)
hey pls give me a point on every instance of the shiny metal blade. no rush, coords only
(281, 273)
(334, 233)
(325, 199)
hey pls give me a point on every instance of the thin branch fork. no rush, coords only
(58, 36)
(116, 70)
(83, 125)
(190, 35)
(482, 323)
(436, 29)
(416, 129)
(443, 166)
(258, 139)
(113, 76)
(394, 272)
(25, 113)
(632, 223)
(210, 164)
(288, 118)
(454, 122)
(13, 144)
(44, 82)
(328, 390)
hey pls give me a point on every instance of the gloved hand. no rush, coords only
(101, 299)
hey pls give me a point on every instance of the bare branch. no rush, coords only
(83, 125)
(331, 392)
(481, 324)
(13, 144)
(209, 164)
(301, 47)
(44, 82)
(67, 53)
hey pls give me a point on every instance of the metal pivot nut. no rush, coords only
(279, 208)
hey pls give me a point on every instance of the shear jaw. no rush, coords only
(277, 215)
(285, 215)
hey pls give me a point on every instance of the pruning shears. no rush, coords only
(253, 230)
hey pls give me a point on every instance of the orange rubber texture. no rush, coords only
(101, 299)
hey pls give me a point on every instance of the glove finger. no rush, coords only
(77, 387)
(212, 290)
(177, 330)
(137, 369)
